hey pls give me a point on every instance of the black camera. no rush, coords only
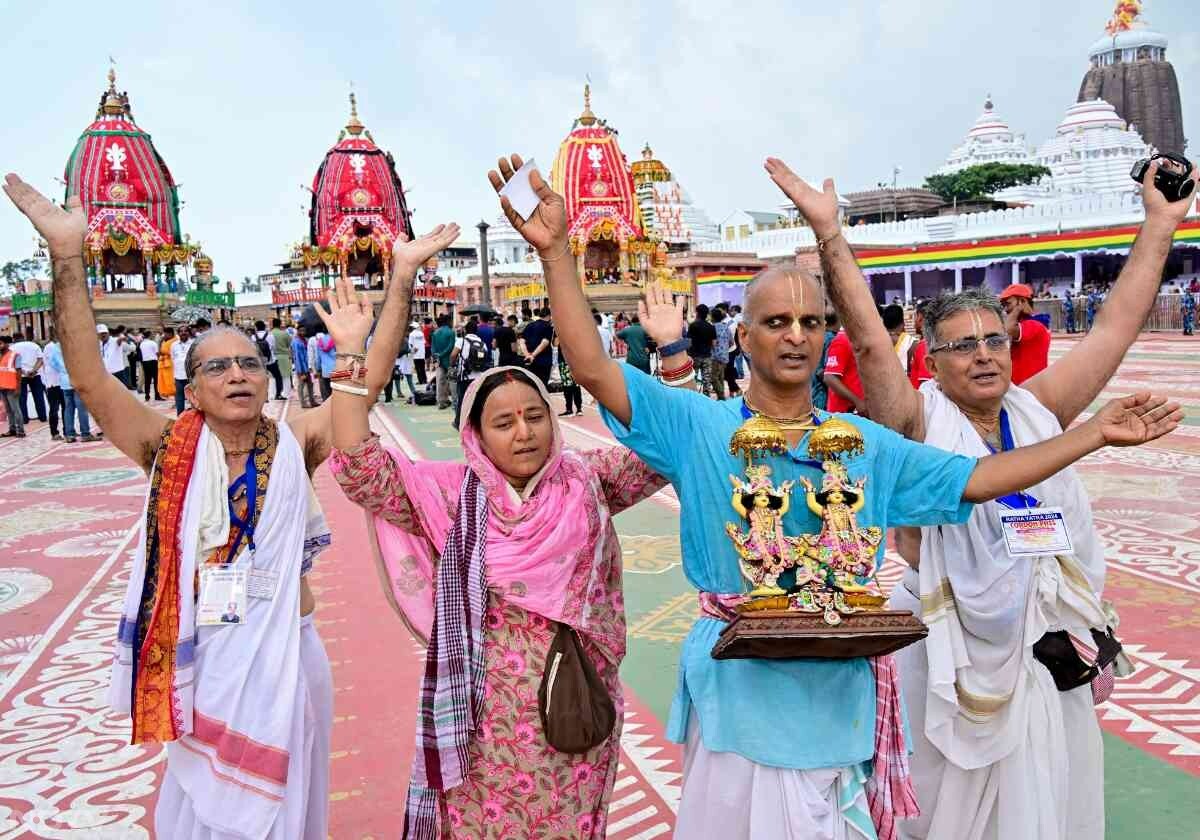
(1173, 178)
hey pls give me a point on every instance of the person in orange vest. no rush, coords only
(10, 388)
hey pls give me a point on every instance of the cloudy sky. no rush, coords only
(243, 101)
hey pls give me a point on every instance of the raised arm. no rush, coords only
(546, 231)
(1129, 421)
(314, 428)
(624, 478)
(890, 397)
(130, 425)
(1069, 385)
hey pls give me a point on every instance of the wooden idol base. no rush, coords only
(788, 634)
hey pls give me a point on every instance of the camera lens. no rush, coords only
(1185, 189)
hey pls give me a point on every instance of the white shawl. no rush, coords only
(235, 684)
(986, 609)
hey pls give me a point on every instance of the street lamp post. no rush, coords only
(895, 208)
(485, 281)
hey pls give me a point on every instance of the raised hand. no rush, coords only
(62, 229)
(1136, 419)
(661, 318)
(350, 317)
(820, 209)
(1156, 204)
(409, 255)
(546, 228)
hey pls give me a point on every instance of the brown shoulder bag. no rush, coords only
(577, 711)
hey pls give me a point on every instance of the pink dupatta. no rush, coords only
(544, 546)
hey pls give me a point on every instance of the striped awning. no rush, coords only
(1115, 240)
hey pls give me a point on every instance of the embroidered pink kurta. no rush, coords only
(518, 785)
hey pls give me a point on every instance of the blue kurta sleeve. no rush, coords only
(929, 483)
(662, 428)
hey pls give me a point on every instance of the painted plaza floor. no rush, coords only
(68, 521)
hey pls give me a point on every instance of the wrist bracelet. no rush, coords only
(675, 373)
(679, 346)
(675, 383)
(559, 257)
(821, 243)
(358, 357)
(350, 373)
(357, 390)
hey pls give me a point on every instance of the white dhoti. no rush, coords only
(999, 751)
(1050, 785)
(254, 699)
(729, 796)
(305, 811)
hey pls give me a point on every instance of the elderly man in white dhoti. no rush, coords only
(1003, 747)
(216, 654)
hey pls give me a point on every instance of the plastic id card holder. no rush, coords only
(222, 597)
(1032, 531)
(519, 191)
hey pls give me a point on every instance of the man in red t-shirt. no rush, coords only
(1030, 338)
(841, 377)
(917, 371)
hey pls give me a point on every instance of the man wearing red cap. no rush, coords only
(1030, 338)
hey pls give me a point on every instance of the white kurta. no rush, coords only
(999, 752)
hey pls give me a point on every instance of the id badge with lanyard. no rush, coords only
(224, 587)
(1030, 528)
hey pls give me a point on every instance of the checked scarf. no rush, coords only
(452, 685)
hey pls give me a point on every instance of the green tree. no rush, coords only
(15, 272)
(983, 180)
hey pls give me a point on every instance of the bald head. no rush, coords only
(804, 283)
(783, 327)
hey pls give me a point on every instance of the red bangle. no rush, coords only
(682, 370)
(348, 373)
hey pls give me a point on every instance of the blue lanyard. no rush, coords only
(804, 462)
(1020, 499)
(249, 480)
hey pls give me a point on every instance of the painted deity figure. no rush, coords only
(842, 548)
(764, 552)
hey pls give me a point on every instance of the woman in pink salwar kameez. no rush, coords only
(482, 560)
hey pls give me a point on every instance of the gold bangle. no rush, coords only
(559, 257)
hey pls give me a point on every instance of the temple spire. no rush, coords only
(113, 104)
(587, 118)
(354, 127)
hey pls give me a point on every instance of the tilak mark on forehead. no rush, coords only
(976, 323)
(797, 308)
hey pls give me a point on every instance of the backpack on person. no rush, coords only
(264, 349)
(475, 355)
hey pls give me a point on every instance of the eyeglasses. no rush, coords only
(968, 346)
(218, 366)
